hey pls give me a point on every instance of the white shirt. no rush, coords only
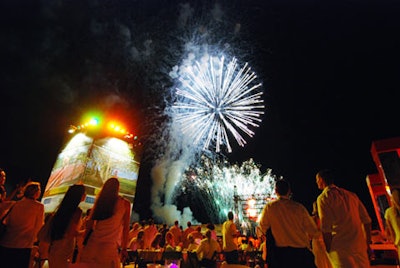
(342, 213)
(207, 248)
(23, 223)
(229, 238)
(290, 223)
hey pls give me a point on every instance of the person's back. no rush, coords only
(177, 232)
(108, 231)
(290, 223)
(229, 240)
(65, 226)
(23, 223)
(134, 231)
(206, 250)
(186, 233)
(110, 220)
(150, 232)
(340, 213)
(137, 242)
(291, 227)
(192, 246)
(345, 223)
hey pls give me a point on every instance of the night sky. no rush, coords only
(330, 73)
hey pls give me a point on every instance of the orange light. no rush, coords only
(117, 127)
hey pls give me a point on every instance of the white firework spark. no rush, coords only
(215, 99)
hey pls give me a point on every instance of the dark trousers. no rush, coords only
(232, 257)
(288, 257)
(15, 257)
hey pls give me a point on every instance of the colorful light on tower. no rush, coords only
(97, 150)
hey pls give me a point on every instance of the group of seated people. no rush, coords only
(204, 245)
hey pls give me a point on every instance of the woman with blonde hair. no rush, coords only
(65, 227)
(108, 228)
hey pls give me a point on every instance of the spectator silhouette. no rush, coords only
(392, 216)
(109, 222)
(65, 227)
(150, 232)
(345, 223)
(207, 249)
(189, 229)
(291, 227)
(177, 232)
(229, 239)
(3, 192)
(155, 244)
(23, 224)
(163, 230)
(137, 242)
(192, 246)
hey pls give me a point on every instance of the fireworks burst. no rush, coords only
(216, 99)
(216, 184)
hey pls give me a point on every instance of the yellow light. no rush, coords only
(251, 202)
(387, 187)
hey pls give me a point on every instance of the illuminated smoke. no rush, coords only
(213, 98)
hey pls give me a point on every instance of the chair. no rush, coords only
(208, 263)
(193, 260)
(252, 258)
(169, 257)
(133, 257)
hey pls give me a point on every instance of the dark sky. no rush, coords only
(330, 72)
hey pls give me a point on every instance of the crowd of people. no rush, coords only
(337, 234)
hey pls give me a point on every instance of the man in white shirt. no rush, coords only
(345, 224)
(229, 240)
(292, 227)
(206, 250)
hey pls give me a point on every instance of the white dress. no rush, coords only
(102, 246)
(61, 251)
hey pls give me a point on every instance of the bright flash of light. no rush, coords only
(216, 100)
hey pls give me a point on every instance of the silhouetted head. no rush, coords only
(230, 215)
(282, 187)
(32, 190)
(324, 178)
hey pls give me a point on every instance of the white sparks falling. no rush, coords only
(217, 99)
(218, 184)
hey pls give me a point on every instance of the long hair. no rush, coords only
(66, 210)
(106, 200)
